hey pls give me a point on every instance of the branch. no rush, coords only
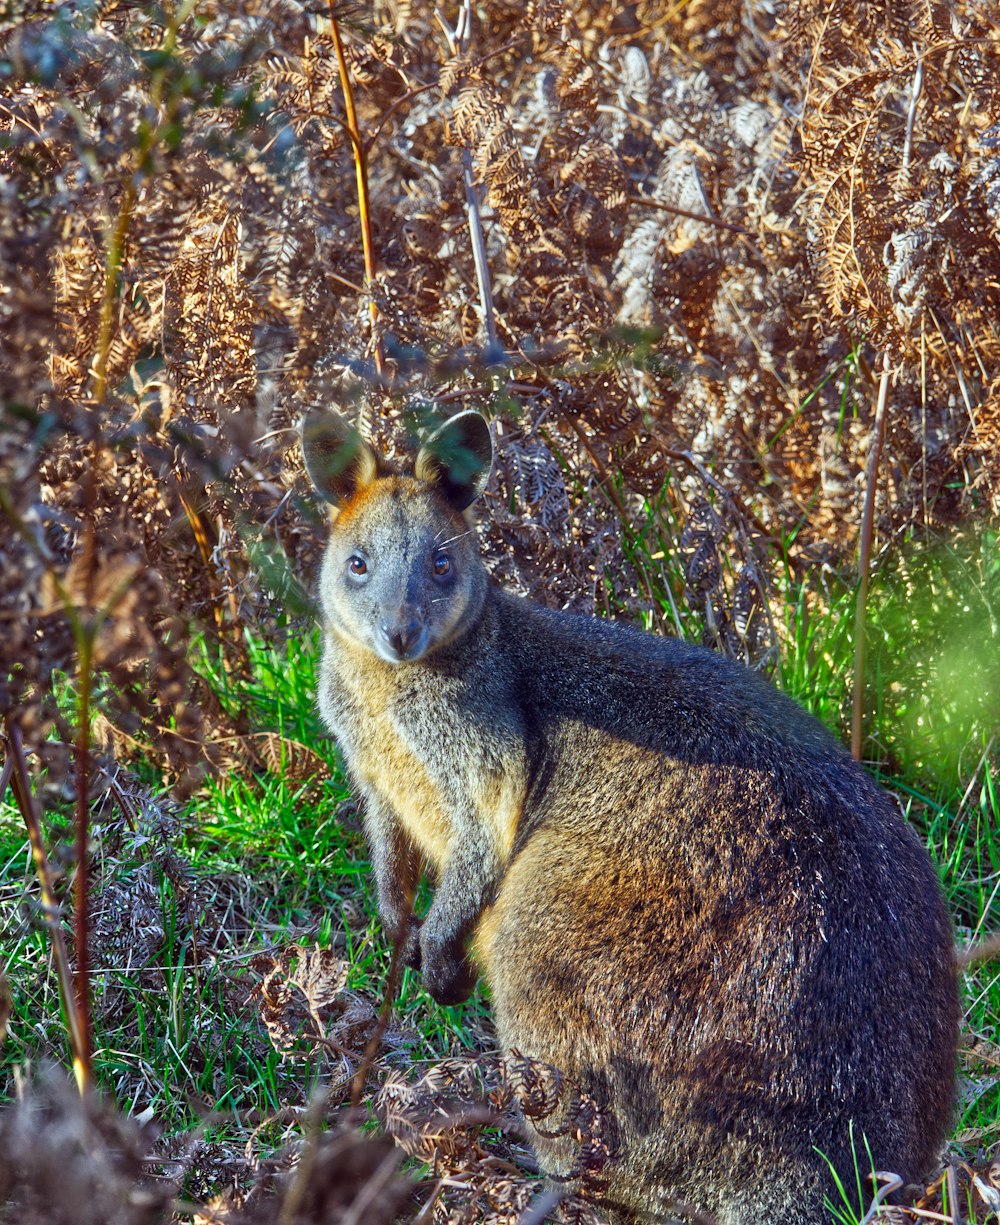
(683, 212)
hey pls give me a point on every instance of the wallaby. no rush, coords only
(682, 892)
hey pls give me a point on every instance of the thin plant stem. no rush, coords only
(81, 898)
(360, 153)
(864, 561)
(918, 82)
(392, 984)
(646, 202)
(479, 257)
(476, 236)
(986, 950)
(15, 768)
(112, 264)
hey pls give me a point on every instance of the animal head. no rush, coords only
(402, 573)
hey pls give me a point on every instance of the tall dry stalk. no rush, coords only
(15, 771)
(359, 151)
(864, 560)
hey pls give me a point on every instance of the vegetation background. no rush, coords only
(725, 275)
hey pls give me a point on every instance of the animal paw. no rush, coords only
(447, 974)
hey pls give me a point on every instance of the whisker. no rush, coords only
(452, 539)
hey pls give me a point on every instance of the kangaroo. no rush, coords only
(682, 892)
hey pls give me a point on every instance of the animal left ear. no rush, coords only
(458, 458)
(339, 462)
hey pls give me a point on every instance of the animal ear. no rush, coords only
(458, 458)
(338, 459)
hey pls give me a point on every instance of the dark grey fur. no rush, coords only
(682, 890)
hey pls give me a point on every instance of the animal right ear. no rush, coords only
(458, 458)
(338, 459)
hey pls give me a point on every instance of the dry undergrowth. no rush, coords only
(182, 275)
(705, 228)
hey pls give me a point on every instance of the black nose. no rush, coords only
(402, 637)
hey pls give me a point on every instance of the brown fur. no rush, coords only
(682, 892)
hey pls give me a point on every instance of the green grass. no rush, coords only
(279, 861)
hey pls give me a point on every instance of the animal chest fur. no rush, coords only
(385, 766)
(434, 771)
(388, 764)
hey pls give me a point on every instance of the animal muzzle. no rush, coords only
(402, 640)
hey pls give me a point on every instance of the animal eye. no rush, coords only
(442, 565)
(357, 565)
